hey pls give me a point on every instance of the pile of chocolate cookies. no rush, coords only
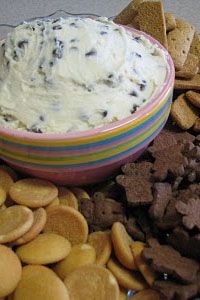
(157, 198)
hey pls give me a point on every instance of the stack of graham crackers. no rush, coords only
(183, 43)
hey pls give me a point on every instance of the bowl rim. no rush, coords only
(145, 110)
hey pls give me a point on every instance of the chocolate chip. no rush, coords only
(116, 29)
(103, 32)
(110, 76)
(137, 39)
(142, 85)
(35, 129)
(15, 55)
(73, 48)
(73, 24)
(133, 93)
(144, 100)
(51, 63)
(134, 109)
(21, 44)
(138, 55)
(41, 118)
(92, 52)
(57, 27)
(58, 53)
(73, 40)
(104, 113)
(55, 21)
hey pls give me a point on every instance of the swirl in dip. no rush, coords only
(75, 74)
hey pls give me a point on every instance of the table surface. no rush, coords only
(15, 11)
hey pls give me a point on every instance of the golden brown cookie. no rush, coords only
(196, 126)
(39, 221)
(188, 84)
(147, 294)
(55, 202)
(179, 42)
(33, 192)
(183, 113)
(2, 207)
(151, 20)
(101, 241)
(67, 198)
(144, 268)
(15, 221)
(122, 245)
(80, 193)
(46, 248)
(194, 98)
(10, 271)
(6, 180)
(40, 283)
(127, 15)
(123, 294)
(67, 222)
(190, 67)
(92, 282)
(195, 46)
(10, 171)
(170, 21)
(2, 196)
(80, 255)
(127, 279)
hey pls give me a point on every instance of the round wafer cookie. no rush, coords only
(101, 241)
(122, 294)
(126, 279)
(40, 283)
(10, 271)
(39, 221)
(121, 243)
(55, 202)
(6, 180)
(80, 255)
(67, 222)
(33, 192)
(46, 248)
(2, 196)
(10, 171)
(92, 282)
(80, 193)
(67, 198)
(15, 221)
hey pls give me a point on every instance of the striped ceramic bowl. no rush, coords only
(93, 155)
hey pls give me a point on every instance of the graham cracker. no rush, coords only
(179, 42)
(151, 20)
(196, 126)
(170, 21)
(190, 67)
(194, 98)
(183, 112)
(195, 46)
(188, 84)
(127, 15)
